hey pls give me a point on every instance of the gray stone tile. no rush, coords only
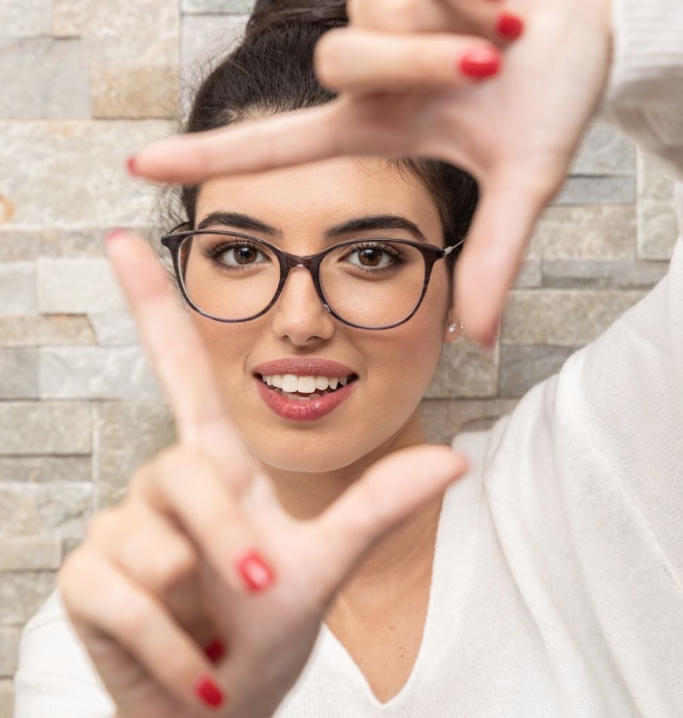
(44, 427)
(523, 367)
(217, 6)
(22, 593)
(586, 233)
(18, 374)
(21, 553)
(443, 419)
(96, 373)
(25, 19)
(464, 370)
(40, 469)
(9, 650)
(597, 190)
(17, 288)
(563, 317)
(77, 286)
(658, 227)
(604, 151)
(37, 329)
(43, 154)
(115, 328)
(49, 509)
(128, 435)
(43, 78)
(602, 274)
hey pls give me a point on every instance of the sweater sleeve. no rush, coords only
(644, 96)
(55, 676)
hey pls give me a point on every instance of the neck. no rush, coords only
(401, 559)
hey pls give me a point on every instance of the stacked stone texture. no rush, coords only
(85, 84)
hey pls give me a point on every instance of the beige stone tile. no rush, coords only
(563, 317)
(39, 469)
(22, 593)
(48, 154)
(46, 427)
(128, 435)
(20, 553)
(37, 329)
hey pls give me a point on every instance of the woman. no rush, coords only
(546, 581)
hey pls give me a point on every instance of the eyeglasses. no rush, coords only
(219, 276)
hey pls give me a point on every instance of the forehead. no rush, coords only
(323, 193)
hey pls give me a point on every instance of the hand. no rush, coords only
(155, 578)
(516, 133)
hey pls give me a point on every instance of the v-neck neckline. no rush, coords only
(445, 585)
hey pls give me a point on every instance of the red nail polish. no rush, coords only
(215, 650)
(208, 691)
(132, 167)
(510, 26)
(255, 571)
(480, 63)
(113, 233)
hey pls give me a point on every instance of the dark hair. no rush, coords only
(271, 72)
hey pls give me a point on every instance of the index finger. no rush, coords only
(176, 351)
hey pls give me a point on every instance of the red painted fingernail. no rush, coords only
(215, 650)
(209, 692)
(255, 571)
(132, 166)
(510, 26)
(480, 63)
(113, 233)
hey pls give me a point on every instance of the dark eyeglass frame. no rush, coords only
(430, 254)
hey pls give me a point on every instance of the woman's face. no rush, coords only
(394, 366)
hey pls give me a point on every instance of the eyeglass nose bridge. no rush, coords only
(312, 263)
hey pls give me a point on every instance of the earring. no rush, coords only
(452, 326)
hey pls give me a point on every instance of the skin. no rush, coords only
(312, 463)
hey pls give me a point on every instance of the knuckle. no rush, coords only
(176, 564)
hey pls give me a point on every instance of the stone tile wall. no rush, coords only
(85, 84)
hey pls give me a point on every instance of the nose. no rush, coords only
(299, 313)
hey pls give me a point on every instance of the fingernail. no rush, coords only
(215, 650)
(113, 233)
(510, 26)
(132, 166)
(208, 691)
(255, 571)
(480, 63)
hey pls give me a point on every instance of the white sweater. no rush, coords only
(557, 587)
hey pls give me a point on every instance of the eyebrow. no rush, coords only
(359, 224)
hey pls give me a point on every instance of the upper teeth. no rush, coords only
(304, 384)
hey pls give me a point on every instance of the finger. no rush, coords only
(291, 138)
(494, 251)
(184, 485)
(485, 19)
(391, 490)
(366, 61)
(109, 603)
(150, 550)
(177, 355)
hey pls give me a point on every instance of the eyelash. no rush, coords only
(215, 252)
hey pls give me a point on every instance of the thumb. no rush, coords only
(387, 493)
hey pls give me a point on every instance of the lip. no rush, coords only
(303, 367)
(303, 411)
